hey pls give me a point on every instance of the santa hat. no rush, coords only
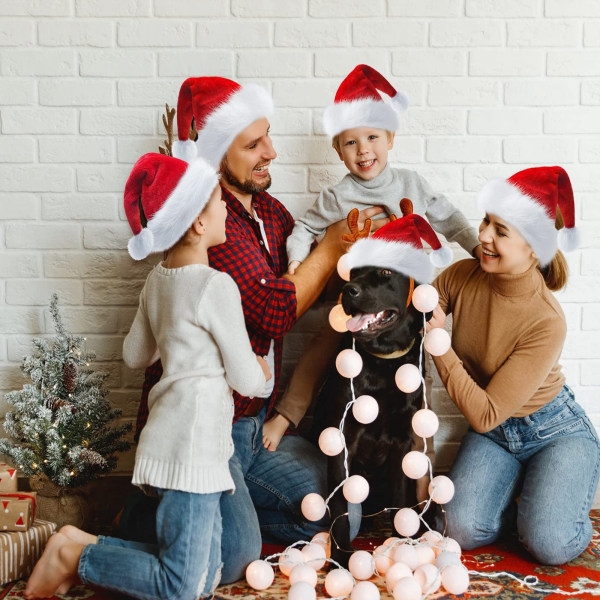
(163, 196)
(358, 103)
(528, 201)
(398, 246)
(222, 109)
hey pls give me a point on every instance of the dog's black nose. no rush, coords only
(352, 289)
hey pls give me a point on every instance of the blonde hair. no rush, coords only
(556, 273)
(335, 140)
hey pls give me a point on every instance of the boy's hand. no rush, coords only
(293, 266)
(264, 366)
(438, 319)
(273, 431)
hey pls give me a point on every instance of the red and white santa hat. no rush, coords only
(358, 103)
(528, 201)
(163, 196)
(222, 109)
(398, 246)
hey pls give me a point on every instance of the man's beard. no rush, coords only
(247, 187)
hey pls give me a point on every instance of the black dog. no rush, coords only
(387, 336)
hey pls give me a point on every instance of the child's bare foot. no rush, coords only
(273, 431)
(81, 537)
(57, 565)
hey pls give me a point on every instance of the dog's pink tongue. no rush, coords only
(358, 322)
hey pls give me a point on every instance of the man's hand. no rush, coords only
(437, 320)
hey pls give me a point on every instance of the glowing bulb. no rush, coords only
(302, 591)
(338, 318)
(348, 363)
(437, 342)
(314, 555)
(365, 409)
(356, 489)
(406, 522)
(408, 378)
(361, 564)
(338, 583)
(365, 590)
(407, 588)
(289, 559)
(303, 573)
(415, 464)
(342, 267)
(425, 423)
(441, 489)
(331, 441)
(425, 298)
(259, 575)
(313, 507)
(455, 579)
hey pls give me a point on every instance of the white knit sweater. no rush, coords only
(193, 316)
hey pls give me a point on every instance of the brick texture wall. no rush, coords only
(495, 86)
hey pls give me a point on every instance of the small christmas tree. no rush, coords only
(61, 423)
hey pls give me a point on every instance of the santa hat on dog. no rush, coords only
(222, 109)
(528, 201)
(398, 246)
(358, 103)
(163, 196)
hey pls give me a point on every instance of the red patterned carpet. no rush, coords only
(580, 577)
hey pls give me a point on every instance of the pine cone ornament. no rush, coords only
(70, 376)
(58, 403)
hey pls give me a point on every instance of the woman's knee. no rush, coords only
(468, 529)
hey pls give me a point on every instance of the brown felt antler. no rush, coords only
(356, 233)
(168, 123)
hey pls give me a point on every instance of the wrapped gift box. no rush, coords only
(20, 550)
(8, 478)
(17, 511)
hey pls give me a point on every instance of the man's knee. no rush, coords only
(235, 563)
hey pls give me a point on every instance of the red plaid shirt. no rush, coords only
(268, 300)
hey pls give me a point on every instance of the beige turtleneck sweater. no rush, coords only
(508, 333)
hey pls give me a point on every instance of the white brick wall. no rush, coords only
(495, 86)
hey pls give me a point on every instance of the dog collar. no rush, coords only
(397, 353)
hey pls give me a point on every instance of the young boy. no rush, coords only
(362, 128)
(191, 316)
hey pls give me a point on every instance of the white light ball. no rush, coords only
(365, 409)
(425, 554)
(356, 489)
(437, 341)
(406, 522)
(429, 578)
(449, 544)
(425, 423)
(431, 537)
(289, 559)
(302, 591)
(303, 573)
(349, 363)
(313, 507)
(407, 588)
(342, 267)
(323, 538)
(365, 590)
(382, 555)
(441, 489)
(405, 553)
(331, 441)
(392, 541)
(396, 572)
(415, 464)
(338, 583)
(338, 318)
(425, 298)
(361, 564)
(455, 579)
(259, 575)
(446, 559)
(408, 378)
(314, 555)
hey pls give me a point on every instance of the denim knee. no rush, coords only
(234, 568)
(463, 526)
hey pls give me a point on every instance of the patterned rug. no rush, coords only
(580, 577)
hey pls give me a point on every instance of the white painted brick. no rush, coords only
(43, 235)
(15, 206)
(571, 370)
(389, 32)
(75, 33)
(503, 9)
(346, 9)
(582, 63)
(128, 402)
(130, 149)
(105, 347)
(464, 92)
(539, 150)
(80, 265)
(38, 63)
(118, 292)
(79, 207)
(297, 150)
(16, 32)
(591, 317)
(113, 236)
(572, 315)
(17, 149)
(116, 121)
(11, 377)
(445, 178)
(116, 63)
(507, 121)
(136, 269)
(590, 372)
(19, 264)
(190, 8)
(35, 178)
(407, 151)
(506, 63)
(290, 121)
(102, 179)
(466, 32)
(35, 8)
(39, 120)
(320, 177)
(544, 32)
(340, 62)
(590, 206)
(590, 262)
(21, 320)
(288, 179)
(589, 150)
(17, 91)
(268, 8)
(112, 369)
(85, 321)
(75, 92)
(424, 8)
(274, 63)
(432, 121)
(583, 290)
(432, 62)
(297, 204)
(476, 176)
(573, 8)
(591, 34)
(155, 33)
(463, 149)
(310, 34)
(232, 34)
(302, 93)
(37, 292)
(113, 8)
(542, 92)
(219, 63)
(584, 179)
(590, 92)
(66, 149)
(581, 344)
(572, 120)
(148, 93)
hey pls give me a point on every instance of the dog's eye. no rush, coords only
(386, 272)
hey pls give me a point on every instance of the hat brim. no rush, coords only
(359, 113)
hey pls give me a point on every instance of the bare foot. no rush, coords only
(57, 565)
(81, 537)
(273, 431)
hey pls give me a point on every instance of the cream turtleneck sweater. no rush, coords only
(508, 333)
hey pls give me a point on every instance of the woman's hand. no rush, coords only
(437, 320)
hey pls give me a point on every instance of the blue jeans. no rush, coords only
(184, 565)
(550, 458)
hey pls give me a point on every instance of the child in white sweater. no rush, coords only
(191, 316)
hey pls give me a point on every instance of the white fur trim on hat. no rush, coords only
(250, 103)
(185, 150)
(401, 257)
(501, 198)
(360, 113)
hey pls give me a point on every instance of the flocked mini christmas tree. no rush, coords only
(61, 425)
